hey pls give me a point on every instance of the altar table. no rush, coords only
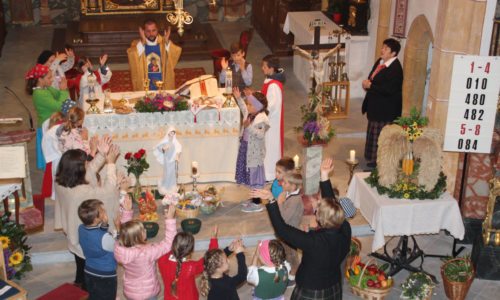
(356, 53)
(212, 140)
(398, 217)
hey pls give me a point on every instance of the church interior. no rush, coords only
(425, 199)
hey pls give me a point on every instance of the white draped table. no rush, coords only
(212, 140)
(397, 217)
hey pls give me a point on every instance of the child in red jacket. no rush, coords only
(178, 271)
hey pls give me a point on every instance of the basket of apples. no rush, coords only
(369, 281)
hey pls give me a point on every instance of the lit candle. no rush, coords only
(194, 168)
(296, 161)
(352, 155)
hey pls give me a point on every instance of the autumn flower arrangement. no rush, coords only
(15, 249)
(160, 103)
(315, 128)
(412, 125)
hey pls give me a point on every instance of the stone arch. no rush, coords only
(415, 63)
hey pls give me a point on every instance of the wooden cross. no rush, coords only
(316, 46)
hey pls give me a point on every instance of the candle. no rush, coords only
(194, 168)
(296, 161)
(352, 155)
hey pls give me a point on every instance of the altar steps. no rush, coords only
(51, 246)
(94, 36)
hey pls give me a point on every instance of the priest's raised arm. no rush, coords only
(153, 57)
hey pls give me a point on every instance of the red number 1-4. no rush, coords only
(486, 68)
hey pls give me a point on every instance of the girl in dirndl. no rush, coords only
(252, 151)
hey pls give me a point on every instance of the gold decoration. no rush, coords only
(179, 17)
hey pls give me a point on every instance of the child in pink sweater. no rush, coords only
(139, 258)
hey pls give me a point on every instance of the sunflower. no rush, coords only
(406, 195)
(16, 258)
(5, 241)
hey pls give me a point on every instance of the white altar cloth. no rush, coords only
(393, 217)
(356, 48)
(211, 141)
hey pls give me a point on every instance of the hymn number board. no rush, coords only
(472, 107)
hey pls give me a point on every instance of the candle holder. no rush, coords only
(159, 85)
(93, 109)
(352, 164)
(194, 175)
(229, 100)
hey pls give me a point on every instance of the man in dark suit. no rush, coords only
(384, 99)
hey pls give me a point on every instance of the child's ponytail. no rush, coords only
(182, 247)
(212, 261)
(278, 255)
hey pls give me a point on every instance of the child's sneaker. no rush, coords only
(252, 207)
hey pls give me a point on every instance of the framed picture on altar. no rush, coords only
(109, 7)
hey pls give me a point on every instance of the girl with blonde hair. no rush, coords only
(138, 257)
(215, 283)
(323, 250)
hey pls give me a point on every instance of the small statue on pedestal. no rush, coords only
(167, 152)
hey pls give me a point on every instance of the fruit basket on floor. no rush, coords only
(189, 205)
(369, 281)
(211, 200)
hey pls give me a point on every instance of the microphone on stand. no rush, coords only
(24, 105)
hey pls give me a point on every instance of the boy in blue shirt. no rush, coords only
(98, 246)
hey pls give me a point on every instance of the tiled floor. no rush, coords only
(23, 46)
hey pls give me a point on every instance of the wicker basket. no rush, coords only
(453, 289)
(349, 258)
(187, 213)
(370, 293)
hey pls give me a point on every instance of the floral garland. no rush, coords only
(15, 250)
(408, 189)
(161, 103)
(315, 128)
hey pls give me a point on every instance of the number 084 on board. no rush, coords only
(472, 106)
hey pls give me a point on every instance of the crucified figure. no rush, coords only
(317, 65)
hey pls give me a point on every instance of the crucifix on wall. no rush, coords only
(317, 63)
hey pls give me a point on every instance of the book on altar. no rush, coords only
(13, 162)
(204, 86)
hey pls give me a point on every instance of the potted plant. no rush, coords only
(457, 274)
(315, 129)
(418, 286)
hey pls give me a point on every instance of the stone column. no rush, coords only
(310, 169)
(458, 31)
(384, 17)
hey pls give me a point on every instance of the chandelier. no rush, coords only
(179, 16)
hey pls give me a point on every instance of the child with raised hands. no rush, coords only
(177, 269)
(98, 245)
(271, 278)
(215, 283)
(138, 257)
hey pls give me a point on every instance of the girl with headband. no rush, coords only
(271, 278)
(250, 162)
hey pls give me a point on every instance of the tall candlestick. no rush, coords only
(352, 155)
(296, 160)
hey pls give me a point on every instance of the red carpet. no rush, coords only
(121, 82)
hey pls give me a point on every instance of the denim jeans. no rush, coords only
(101, 288)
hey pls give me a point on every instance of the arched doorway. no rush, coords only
(417, 62)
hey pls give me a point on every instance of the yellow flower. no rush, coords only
(406, 195)
(16, 258)
(5, 241)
